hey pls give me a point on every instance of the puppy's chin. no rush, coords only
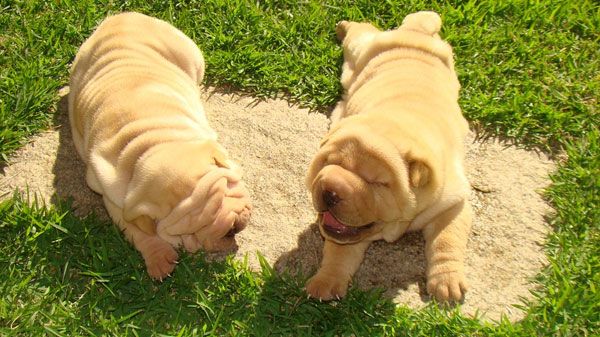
(334, 230)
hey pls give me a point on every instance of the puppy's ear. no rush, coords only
(221, 160)
(438, 188)
(419, 173)
(220, 157)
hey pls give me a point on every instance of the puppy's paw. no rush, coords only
(160, 260)
(341, 28)
(327, 287)
(447, 287)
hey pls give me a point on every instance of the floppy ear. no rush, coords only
(427, 179)
(440, 198)
(422, 168)
(419, 173)
(220, 156)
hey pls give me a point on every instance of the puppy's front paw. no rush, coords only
(447, 287)
(160, 260)
(327, 287)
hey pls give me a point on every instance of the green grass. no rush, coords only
(530, 72)
(66, 276)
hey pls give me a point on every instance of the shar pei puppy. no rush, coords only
(139, 125)
(392, 161)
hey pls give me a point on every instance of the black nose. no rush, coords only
(234, 230)
(238, 226)
(330, 198)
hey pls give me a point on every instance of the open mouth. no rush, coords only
(337, 229)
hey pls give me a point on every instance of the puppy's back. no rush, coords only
(128, 55)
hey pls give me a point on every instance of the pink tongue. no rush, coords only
(331, 222)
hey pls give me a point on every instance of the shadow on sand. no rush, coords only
(392, 266)
(69, 169)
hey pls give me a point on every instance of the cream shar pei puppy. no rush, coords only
(139, 126)
(392, 161)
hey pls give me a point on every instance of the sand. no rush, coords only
(274, 142)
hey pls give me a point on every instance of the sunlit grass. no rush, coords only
(529, 72)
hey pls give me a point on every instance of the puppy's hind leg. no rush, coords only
(355, 37)
(159, 255)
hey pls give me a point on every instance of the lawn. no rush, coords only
(530, 74)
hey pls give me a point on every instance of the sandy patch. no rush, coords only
(275, 142)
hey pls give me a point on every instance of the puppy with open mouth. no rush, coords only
(139, 125)
(392, 160)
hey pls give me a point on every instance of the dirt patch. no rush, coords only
(274, 142)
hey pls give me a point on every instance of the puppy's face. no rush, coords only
(222, 210)
(193, 196)
(361, 185)
(354, 199)
(218, 208)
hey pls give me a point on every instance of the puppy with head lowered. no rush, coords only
(138, 124)
(392, 161)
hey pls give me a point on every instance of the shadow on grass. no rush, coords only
(73, 275)
(79, 275)
(550, 148)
